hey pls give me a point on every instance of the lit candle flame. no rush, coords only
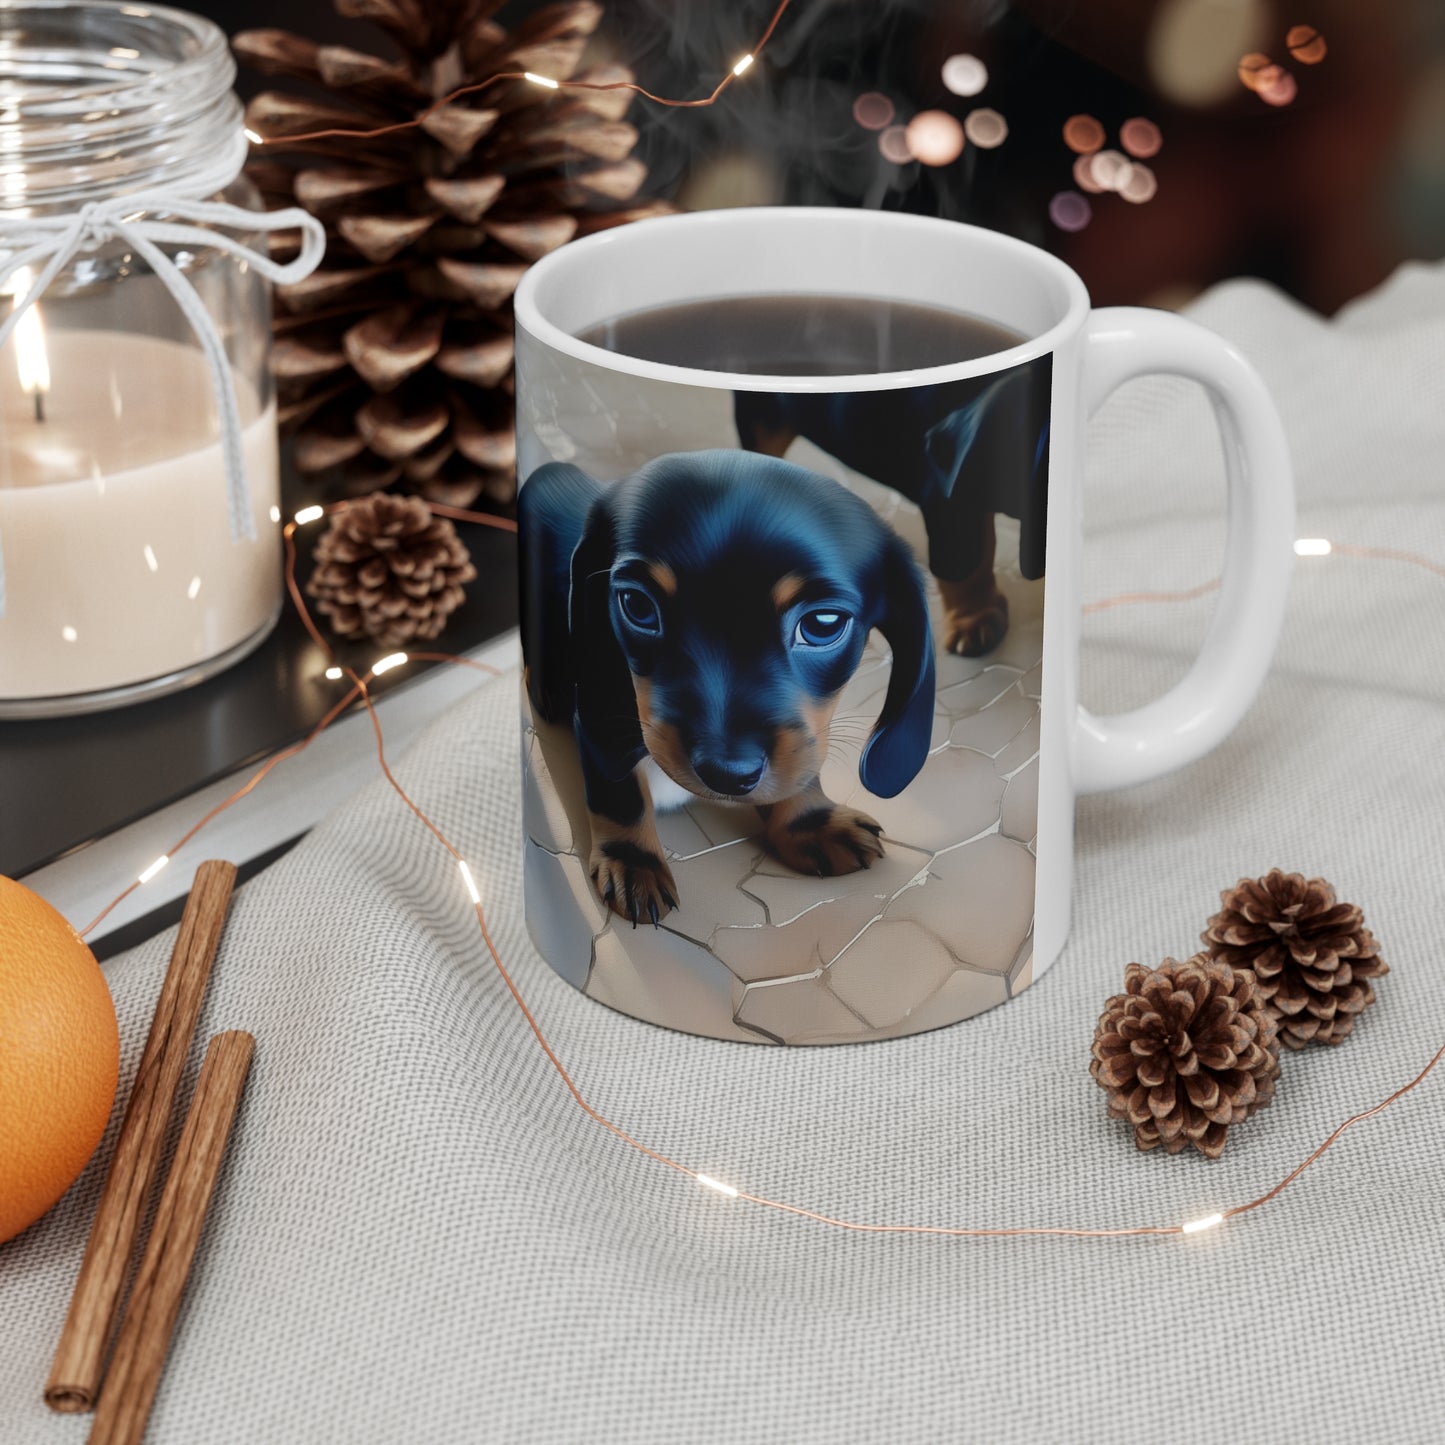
(29, 337)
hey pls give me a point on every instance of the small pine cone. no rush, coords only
(387, 569)
(1185, 1051)
(1312, 956)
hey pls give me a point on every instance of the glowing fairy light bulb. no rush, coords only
(473, 892)
(149, 873)
(742, 64)
(1196, 1226)
(708, 1182)
(543, 80)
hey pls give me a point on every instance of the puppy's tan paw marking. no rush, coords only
(971, 633)
(633, 881)
(827, 841)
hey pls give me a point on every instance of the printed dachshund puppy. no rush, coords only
(703, 614)
(962, 451)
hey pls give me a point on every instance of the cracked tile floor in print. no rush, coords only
(939, 929)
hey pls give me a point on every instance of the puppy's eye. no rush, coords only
(823, 627)
(640, 610)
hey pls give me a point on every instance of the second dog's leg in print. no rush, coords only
(975, 612)
(626, 863)
(761, 424)
(812, 834)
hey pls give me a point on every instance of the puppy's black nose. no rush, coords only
(731, 777)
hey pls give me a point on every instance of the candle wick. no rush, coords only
(39, 404)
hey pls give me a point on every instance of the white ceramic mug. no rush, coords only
(882, 842)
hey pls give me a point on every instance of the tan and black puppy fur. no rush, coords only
(705, 613)
(962, 451)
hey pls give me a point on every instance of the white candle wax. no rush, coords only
(114, 522)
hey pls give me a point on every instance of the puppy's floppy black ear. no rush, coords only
(608, 733)
(948, 443)
(899, 744)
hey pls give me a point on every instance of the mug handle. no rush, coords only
(1198, 712)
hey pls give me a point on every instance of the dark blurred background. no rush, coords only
(1320, 174)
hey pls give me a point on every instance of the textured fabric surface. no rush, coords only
(419, 1237)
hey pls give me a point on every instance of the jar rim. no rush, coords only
(210, 45)
(105, 97)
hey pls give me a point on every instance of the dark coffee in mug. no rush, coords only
(801, 335)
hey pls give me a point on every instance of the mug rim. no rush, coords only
(592, 249)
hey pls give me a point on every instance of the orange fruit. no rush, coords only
(59, 1056)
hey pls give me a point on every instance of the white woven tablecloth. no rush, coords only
(419, 1238)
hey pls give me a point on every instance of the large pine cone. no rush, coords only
(1313, 957)
(388, 570)
(394, 359)
(1187, 1050)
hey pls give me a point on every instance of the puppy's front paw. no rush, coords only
(827, 840)
(974, 631)
(633, 881)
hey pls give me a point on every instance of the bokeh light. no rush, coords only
(1279, 88)
(1306, 44)
(1139, 185)
(1110, 170)
(1266, 76)
(934, 137)
(1083, 134)
(1193, 46)
(872, 110)
(1252, 66)
(893, 142)
(1070, 211)
(985, 128)
(965, 74)
(1084, 175)
(1140, 137)
(736, 178)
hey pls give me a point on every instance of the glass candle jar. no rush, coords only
(136, 559)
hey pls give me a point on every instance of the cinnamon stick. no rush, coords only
(79, 1362)
(155, 1298)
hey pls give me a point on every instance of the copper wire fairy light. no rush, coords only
(547, 82)
(1084, 136)
(360, 690)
